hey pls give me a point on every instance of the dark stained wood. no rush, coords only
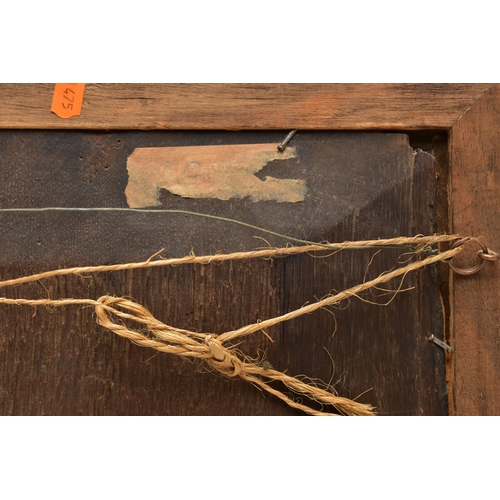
(475, 185)
(359, 186)
(245, 106)
(369, 107)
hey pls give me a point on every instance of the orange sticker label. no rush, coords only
(68, 99)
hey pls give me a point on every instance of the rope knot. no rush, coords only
(221, 358)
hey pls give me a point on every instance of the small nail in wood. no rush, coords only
(288, 138)
(440, 343)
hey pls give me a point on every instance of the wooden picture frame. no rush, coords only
(469, 113)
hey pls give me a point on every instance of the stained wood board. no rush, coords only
(358, 186)
(475, 191)
(245, 106)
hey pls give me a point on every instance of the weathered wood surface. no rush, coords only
(359, 186)
(475, 185)
(245, 106)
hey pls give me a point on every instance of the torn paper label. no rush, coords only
(221, 172)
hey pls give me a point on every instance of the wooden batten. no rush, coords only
(475, 316)
(245, 107)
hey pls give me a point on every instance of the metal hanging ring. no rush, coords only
(484, 255)
(490, 255)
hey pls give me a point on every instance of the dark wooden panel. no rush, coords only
(359, 186)
(245, 106)
(475, 183)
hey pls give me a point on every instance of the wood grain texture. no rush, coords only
(59, 362)
(475, 185)
(244, 106)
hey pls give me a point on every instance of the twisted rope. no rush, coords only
(216, 350)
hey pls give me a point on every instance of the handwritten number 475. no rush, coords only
(70, 98)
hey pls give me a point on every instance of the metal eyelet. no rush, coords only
(484, 254)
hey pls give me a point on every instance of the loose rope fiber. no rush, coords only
(219, 351)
